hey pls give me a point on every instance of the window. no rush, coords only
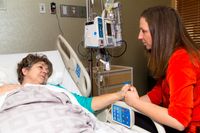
(190, 14)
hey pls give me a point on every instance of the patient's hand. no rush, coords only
(9, 87)
(124, 90)
(127, 87)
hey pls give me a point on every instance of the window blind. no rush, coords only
(189, 11)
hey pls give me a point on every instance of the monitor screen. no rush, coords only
(109, 30)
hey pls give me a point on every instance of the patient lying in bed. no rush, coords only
(33, 106)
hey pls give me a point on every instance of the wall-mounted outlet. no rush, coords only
(42, 8)
(53, 8)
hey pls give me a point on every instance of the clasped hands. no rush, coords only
(129, 94)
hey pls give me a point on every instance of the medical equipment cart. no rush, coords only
(111, 80)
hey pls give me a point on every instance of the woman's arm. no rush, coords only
(155, 112)
(8, 87)
(145, 98)
(102, 101)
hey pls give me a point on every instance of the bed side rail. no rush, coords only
(75, 67)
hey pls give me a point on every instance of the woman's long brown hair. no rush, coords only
(168, 33)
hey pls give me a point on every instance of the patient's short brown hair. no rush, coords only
(29, 61)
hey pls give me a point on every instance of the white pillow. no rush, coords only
(8, 67)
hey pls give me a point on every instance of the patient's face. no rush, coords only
(37, 74)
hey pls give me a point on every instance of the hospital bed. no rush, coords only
(68, 72)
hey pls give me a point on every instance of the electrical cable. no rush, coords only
(79, 51)
(108, 113)
(59, 25)
(117, 56)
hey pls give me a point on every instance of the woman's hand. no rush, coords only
(131, 96)
(123, 91)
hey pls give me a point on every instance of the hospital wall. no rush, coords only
(134, 56)
(24, 29)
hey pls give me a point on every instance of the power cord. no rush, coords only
(79, 50)
(108, 115)
(117, 56)
(59, 24)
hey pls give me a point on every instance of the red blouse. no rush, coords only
(180, 90)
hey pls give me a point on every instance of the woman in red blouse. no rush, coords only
(174, 60)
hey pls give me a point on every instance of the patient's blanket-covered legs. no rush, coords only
(35, 109)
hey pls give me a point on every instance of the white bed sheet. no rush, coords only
(8, 67)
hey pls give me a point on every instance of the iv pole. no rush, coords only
(90, 60)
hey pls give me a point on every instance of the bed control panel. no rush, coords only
(122, 114)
